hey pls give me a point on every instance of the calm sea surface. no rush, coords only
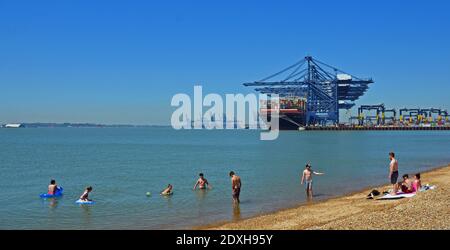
(123, 164)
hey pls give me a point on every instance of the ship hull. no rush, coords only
(289, 120)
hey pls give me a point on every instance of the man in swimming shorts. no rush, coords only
(393, 172)
(52, 188)
(235, 187)
(202, 183)
(307, 179)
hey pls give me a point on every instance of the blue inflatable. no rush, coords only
(84, 202)
(58, 193)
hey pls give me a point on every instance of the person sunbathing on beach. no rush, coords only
(168, 190)
(52, 188)
(307, 177)
(85, 195)
(417, 183)
(405, 186)
(202, 183)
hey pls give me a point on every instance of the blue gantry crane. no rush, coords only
(326, 88)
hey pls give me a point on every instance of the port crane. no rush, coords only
(327, 89)
(419, 115)
(380, 118)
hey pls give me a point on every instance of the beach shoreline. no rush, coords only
(352, 211)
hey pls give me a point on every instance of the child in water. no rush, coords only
(85, 195)
(168, 190)
(52, 188)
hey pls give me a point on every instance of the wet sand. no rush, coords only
(426, 210)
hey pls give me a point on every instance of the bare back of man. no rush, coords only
(52, 189)
(202, 182)
(236, 185)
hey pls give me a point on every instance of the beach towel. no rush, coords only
(396, 196)
(402, 195)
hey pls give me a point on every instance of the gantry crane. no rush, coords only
(326, 88)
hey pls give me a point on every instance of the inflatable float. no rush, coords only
(58, 193)
(81, 202)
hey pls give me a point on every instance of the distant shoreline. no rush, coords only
(427, 210)
(83, 125)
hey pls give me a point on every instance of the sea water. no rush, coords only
(124, 164)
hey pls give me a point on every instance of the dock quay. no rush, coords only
(362, 128)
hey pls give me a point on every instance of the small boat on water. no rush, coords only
(13, 125)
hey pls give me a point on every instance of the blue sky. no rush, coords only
(122, 61)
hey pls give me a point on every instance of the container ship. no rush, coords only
(292, 112)
(312, 93)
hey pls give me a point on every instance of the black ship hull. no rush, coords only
(290, 121)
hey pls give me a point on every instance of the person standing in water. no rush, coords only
(235, 187)
(52, 188)
(202, 183)
(307, 179)
(393, 172)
